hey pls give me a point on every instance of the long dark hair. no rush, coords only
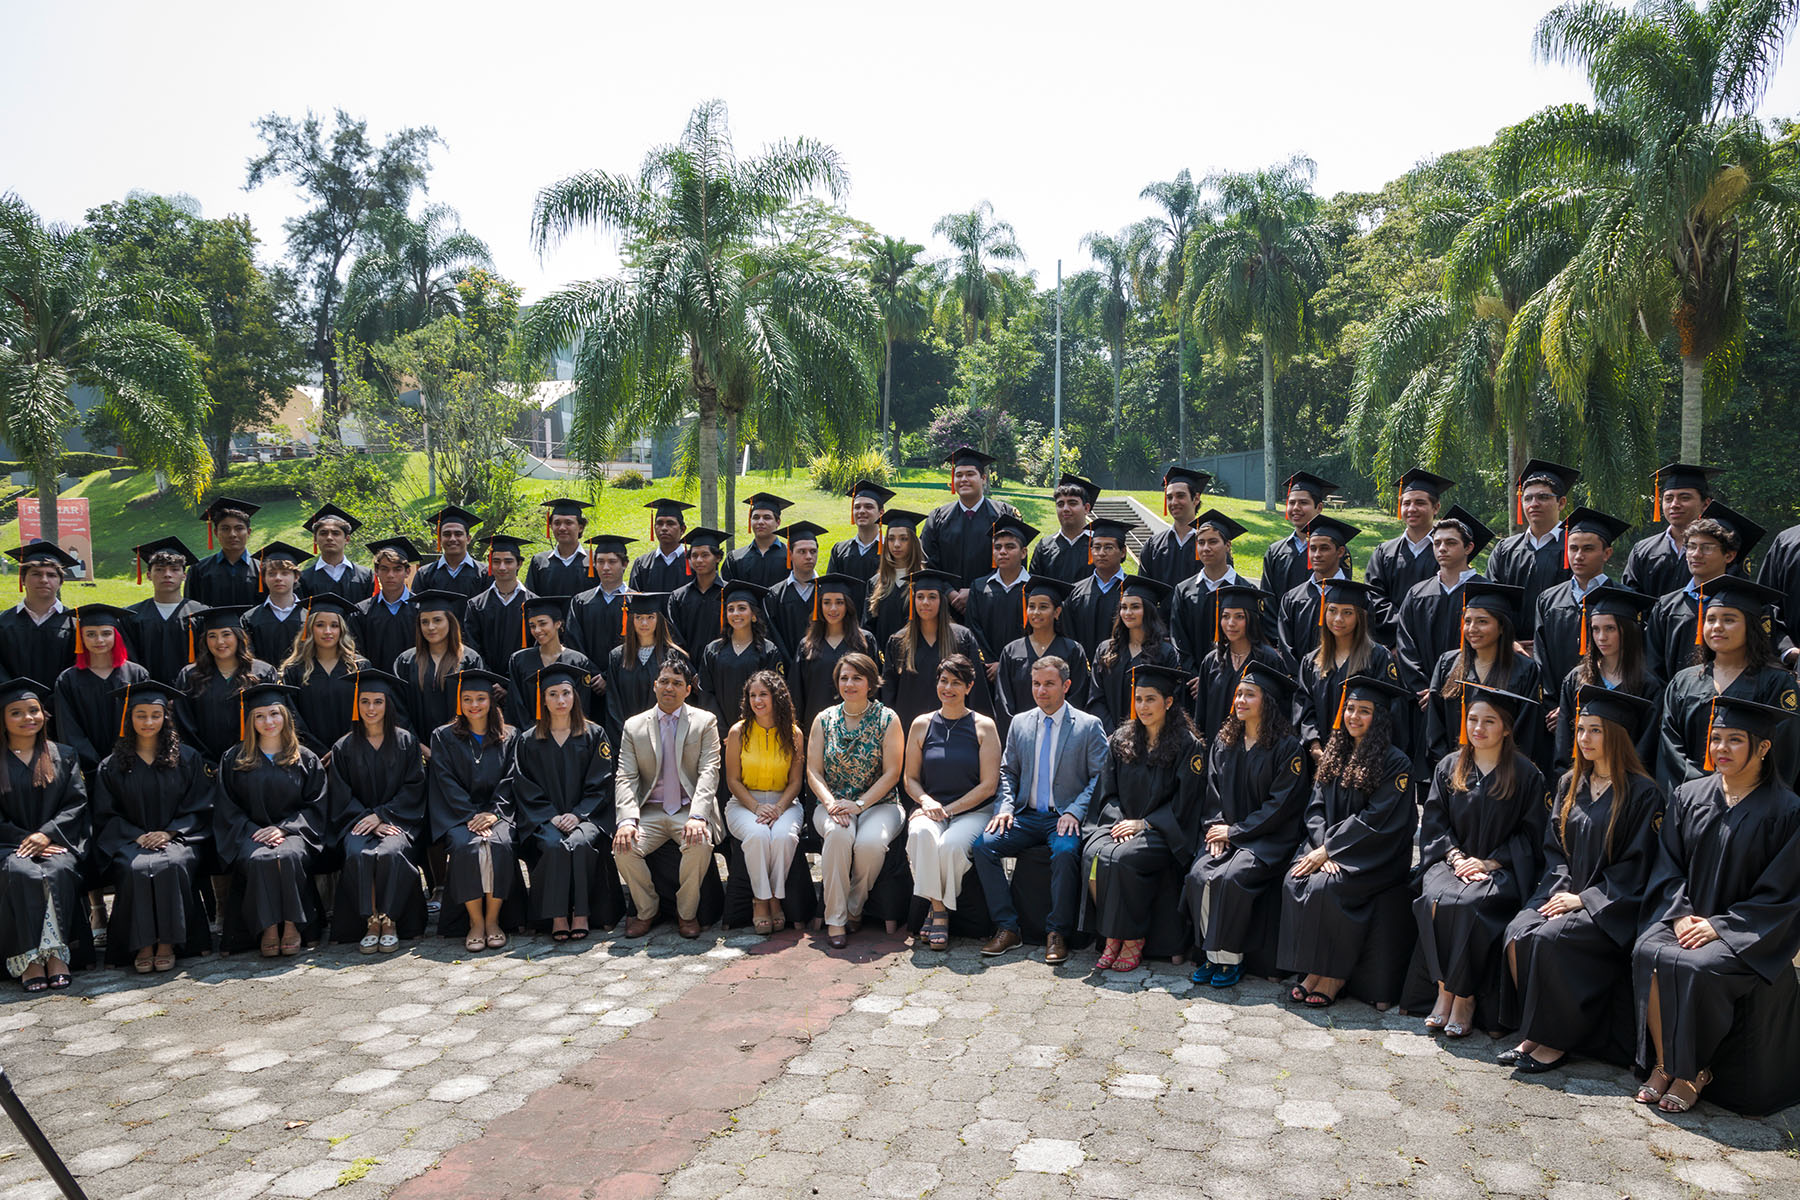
(1275, 725)
(1759, 647)
(1131, 741)
(1621, 752)
(168, 741)
(205, 668)
(1355, 764)
(453, 648)
(1361, 647)
(1466, 658)
(781, 704)
(43, 762)
(1505, 773)
(1156, 633)
(855, 636)
(1631, 656)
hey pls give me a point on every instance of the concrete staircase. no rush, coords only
(1144, 523)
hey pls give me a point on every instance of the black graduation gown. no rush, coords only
(996, 613)
(698, 617)
(1325, 918)
(765, 568)
(1555, 630)
(1088, 613)
(1427, 623)
(1126, 875)
(156, 893)
(1060, 559)
(429, 702)
(1648, 743)
(161, 646)
(1779, 567)
(1569, 965)
(1316, 699)
(572, 874)
(33, 651)
(649, 573)
(384, 634)
(271, 636)
(216, 583)
(1260, 792)
(1168, 559)
(1444, 715)
(849, 558)
(87, 716)
(60, 811)
(468, 580)
(1513, 561)
(1283, 567)
(1687, 716)
(630, 689)
(1393, 570)
(914, 693)
(355, 585)
(326, 704)
(1111, 690)
(962, 543)
(890, 615)
(496, 628)
(548, 575)
(813, 679)
(206, 712)
(1218, 684)
(1297, 618)
(788, 614)
(724, 670)
(1194, 618)
(522, 669)
(270, 884)
(463, 778)
(1461, 923)
(380, 875)
(1669, 641)
(1740, 869)
(1012, 684)
(1655, 567)
(594, 623)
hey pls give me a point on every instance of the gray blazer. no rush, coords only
(1081, 750)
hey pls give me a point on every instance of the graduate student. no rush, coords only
(1571, 943)
(996, 609)
(331, 573)
(1139, 637)
(275, 623)
(157, 630)
(1044, 596)
(227, 576)
(37, 635)
(664, 567)
(788, 606)
(1722, 906)
(697, 607)
(595, 622)
(1401, 562)
(744, 649)
(45, 822)
(1328, 554)
(859, 557)
(322, 669)
(493, 621)
(1193, 608)
(1612, 658)
(1257, 786)
(1088, 613)
(1284, 566)
(1680, 493)
(1064, 554)
(561, 570)
(634, 664)
(455, 571)
(1535, 558)
(1555, 624)
(544, 626)
(1428, 621)
(86, 707)
(376, 784)
(833, 633)
(469, 809)
(958, 536)
(886, 606)
(763, 560)
(1485, 654)
(152, 808)
(1172, 555)
(1346, 649)
(1238, 610)
(911, 658)
(387, 623)
(222, 668)
(436, 656)
(1713, 544)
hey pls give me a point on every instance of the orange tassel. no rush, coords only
(374, 588)
(1656, 496)
(590, 564)
(437, 534)
(524, 631)
(993, 560)
(1132, 680)
(209, 532)
(190, 626)
(687, 565)
(540, 703)
(356, 698)
(1710, 710)
(815, 615)
(1090, 553)
(242, 733)
(1462, 691)
(459, 711)
(1165, 500)
(1700, 621)
(909, 602)
(137, 562)
(125, 712)
(1023, 620)
(1584, 629)
(1196, 547)
(1565, 542)
(1399, 491)
(1343, 695)
(1519, 507)
(624, 615)
(1321, 607)
(1219, 637)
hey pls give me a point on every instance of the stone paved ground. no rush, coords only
(945, 1076)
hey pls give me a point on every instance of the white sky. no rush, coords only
(1057, 113)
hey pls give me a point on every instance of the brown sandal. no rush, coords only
(271, 942)
(1648, 1092)
(1671, 1103)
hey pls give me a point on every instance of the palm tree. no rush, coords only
(978, 239)
(1182, 214)
(1105, 297)
(716, 312)
(407, 274)
(1671, 174)
(1256, 272)
(64, 321)
(894, 282)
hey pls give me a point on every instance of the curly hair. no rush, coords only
(168, 741)
(1156, 633)
(1131, 741)
(1275, 726)
(781, 704)
(1357, 764)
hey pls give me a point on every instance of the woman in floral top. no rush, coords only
(853, 759)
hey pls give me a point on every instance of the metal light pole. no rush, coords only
(1056, 461)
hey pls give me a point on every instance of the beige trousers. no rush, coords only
(654, 827)
(939, 852)
(852, 855)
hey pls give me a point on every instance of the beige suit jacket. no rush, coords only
(640, 765)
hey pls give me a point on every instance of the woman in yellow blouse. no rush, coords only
(765, 764)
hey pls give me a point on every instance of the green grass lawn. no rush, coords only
(125, 512)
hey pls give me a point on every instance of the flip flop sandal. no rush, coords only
(34, 986)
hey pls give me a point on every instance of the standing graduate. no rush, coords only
(1429, 619)
(697, 607)
(1139, 638)
(1535, 558)
(436, 656)
(544, 626)
(1284, 566)
(223, 667)
(158, 627)
(562, 794)
(632, 666)
(833, 633)
(1257, 786)
(1680, 493)
(1485, 654)
(728, 662)
(763, 561)
(1345, 651)
(387, 623)
(377, 814)
(1612, 645)
(1044, 597)
(87, 709)
(1093, 603)
(1238, 611)
(1737, 661)
(37, 636)
(331, 573)
(1193, 608)
(45, 823)
(275, 623)
(269, 823)
(1554, 630)
(493, 622)
(996, 611)
(1401, 562)
(322, 671)
(910, 660)
(1301, 610)
(1712, 546)
(1064, 554)
(469, 810)
(860, 557)
(1723, 909)
(1146, 814)
(561, 570)
(227, 577)
(1571, 942)
(596, 622)
(1480, 834)
(1356, 844)
(958, 536)
(1779, 567)
(664, 567)
(153, 801)
(788, 606)
(454, 572)
(887, 603)
(1172, 555)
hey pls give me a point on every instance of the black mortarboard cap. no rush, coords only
(41, 552)
(331, 512)
(547, 606)
(1479, 534)
(453, 514)
(657, 602)
(1616, 705)
(437, 600)
(21, 686)
(330, 602)
(767, 502)
(1167, 680)
(928, 579)
(1088, 487)
(1376, 690)
(1016, 526)
(565, 672)
(1106, 527)
(225, 506)
(282, 552)
(506, 543)
(474, 679)
(1349, 591)
(1420, 480)
(1503, 598)
(1147, 588)
(741, 589)
(1228, 529)
(369, 679)
(1559, 477)
(1592, 520)
(1270, 679)
(100, 615)
(400, 545)
(1313, 485)
(1758, 720)
(1341, 532)
(262, 695)
(1195, 479)
(802, 531)
(666, 507)
(866, 489)
(611, 543)
(145, 551)
(1682, 475)
(969, 456)
(1241, 596)
(902, 518)
(1745, 595)
(1048, 585)
(1748, 532)
(224, 616)
(701, 535)
(148, 691)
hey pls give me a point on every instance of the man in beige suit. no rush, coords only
(667, 786)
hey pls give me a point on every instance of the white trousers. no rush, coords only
(940, 852)
(768, 849)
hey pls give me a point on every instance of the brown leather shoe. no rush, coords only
(637, 927)
(688, 927)
(1002, 941)
(1056, 948)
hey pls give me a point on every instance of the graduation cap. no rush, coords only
(437, 600)
(668, 508)
(1373, 689)
(768, 502)
(1167, 680)
(1009, 525)
(1089, 489)
(1196, 480)
(1760, 721)
(902, 518)
(1610, 600)
(223, 616)
(1313, 485)
(1148, 589)
(1510, 703)
(1677, 475)
(740, 589)
(1616, 705)
(332, 603)
(968, 456)
(399, 545)
(632, 603)
(145, 551)
(369, 679)
(547, 606)
(837, 583)
(561, 672)
(1592, 520)
(1242, 596)
(1420, 480)
(276, 552)
(1227, 528)
(474, 679)
(866, 489)
(451, 514)
(1106, 527)
(801, 531)
(1349, 591)
(1477, 532)
(607, 543)
(929, 579)
(701, 535)
(38, 553)
(1542, 470)
(1756, 601)
(330, 512)
(148, 691)
(1275, 684)
(1506, 599)
(1340, 532)
(22, 687)
(506, 543)
(101, 616)
(1748, 532)
(262, 694)
(226, 506)
(1047, 585)
(565, 506)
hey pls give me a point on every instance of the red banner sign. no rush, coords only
(73, 533)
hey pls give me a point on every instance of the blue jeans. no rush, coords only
(1031, 828)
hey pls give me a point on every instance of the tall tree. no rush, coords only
(717, 308)
(346, 178)
(978, 240)
(1182, 213)
(893, 274)
(65, 320)
(1105, 297)
(1255, 274)
(407, 273)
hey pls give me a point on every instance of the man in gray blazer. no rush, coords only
(667, 788)
(1047, 776)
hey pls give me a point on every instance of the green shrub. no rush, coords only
(836, 473)
(631, 480)
(74, 462)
